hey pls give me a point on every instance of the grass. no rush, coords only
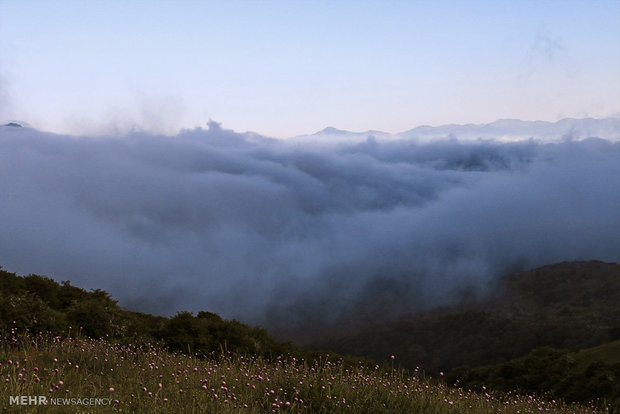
(148, 379)
(610, 353)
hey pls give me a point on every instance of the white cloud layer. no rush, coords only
(256, 228)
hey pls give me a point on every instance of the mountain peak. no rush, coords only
(332, 131)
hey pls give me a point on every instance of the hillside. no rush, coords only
(503, 343)
(79, 374)
(573, 376)
(39, 304)
(74, 347)
(566, 305)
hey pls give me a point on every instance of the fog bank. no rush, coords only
(256, 228)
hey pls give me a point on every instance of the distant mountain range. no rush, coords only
(503, 129)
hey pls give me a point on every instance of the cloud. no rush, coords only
(140, 110)
(546, 54)
(280, 232)
(546, 47)
(5, 98)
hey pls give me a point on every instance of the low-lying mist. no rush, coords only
(276, 232)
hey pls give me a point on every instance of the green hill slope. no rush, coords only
(582, 375)
(503, 342)
(567, 305)
(39, 304)
(608, 353)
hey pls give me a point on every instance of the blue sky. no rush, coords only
(294, 67)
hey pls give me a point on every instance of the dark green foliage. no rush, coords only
(506, 340)
(91, 315)
(208, 333)
(567, 305)
(548, 370)
(38, 303)
(26, 310)
(209, 316)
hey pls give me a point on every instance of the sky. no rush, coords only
(287, 68)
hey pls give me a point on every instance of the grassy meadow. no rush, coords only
(149, 379)
(79, 351)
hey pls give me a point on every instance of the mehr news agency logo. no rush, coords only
(44, 400)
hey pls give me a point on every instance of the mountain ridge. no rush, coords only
(503, 128)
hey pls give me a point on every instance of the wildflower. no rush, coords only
(111, 389)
